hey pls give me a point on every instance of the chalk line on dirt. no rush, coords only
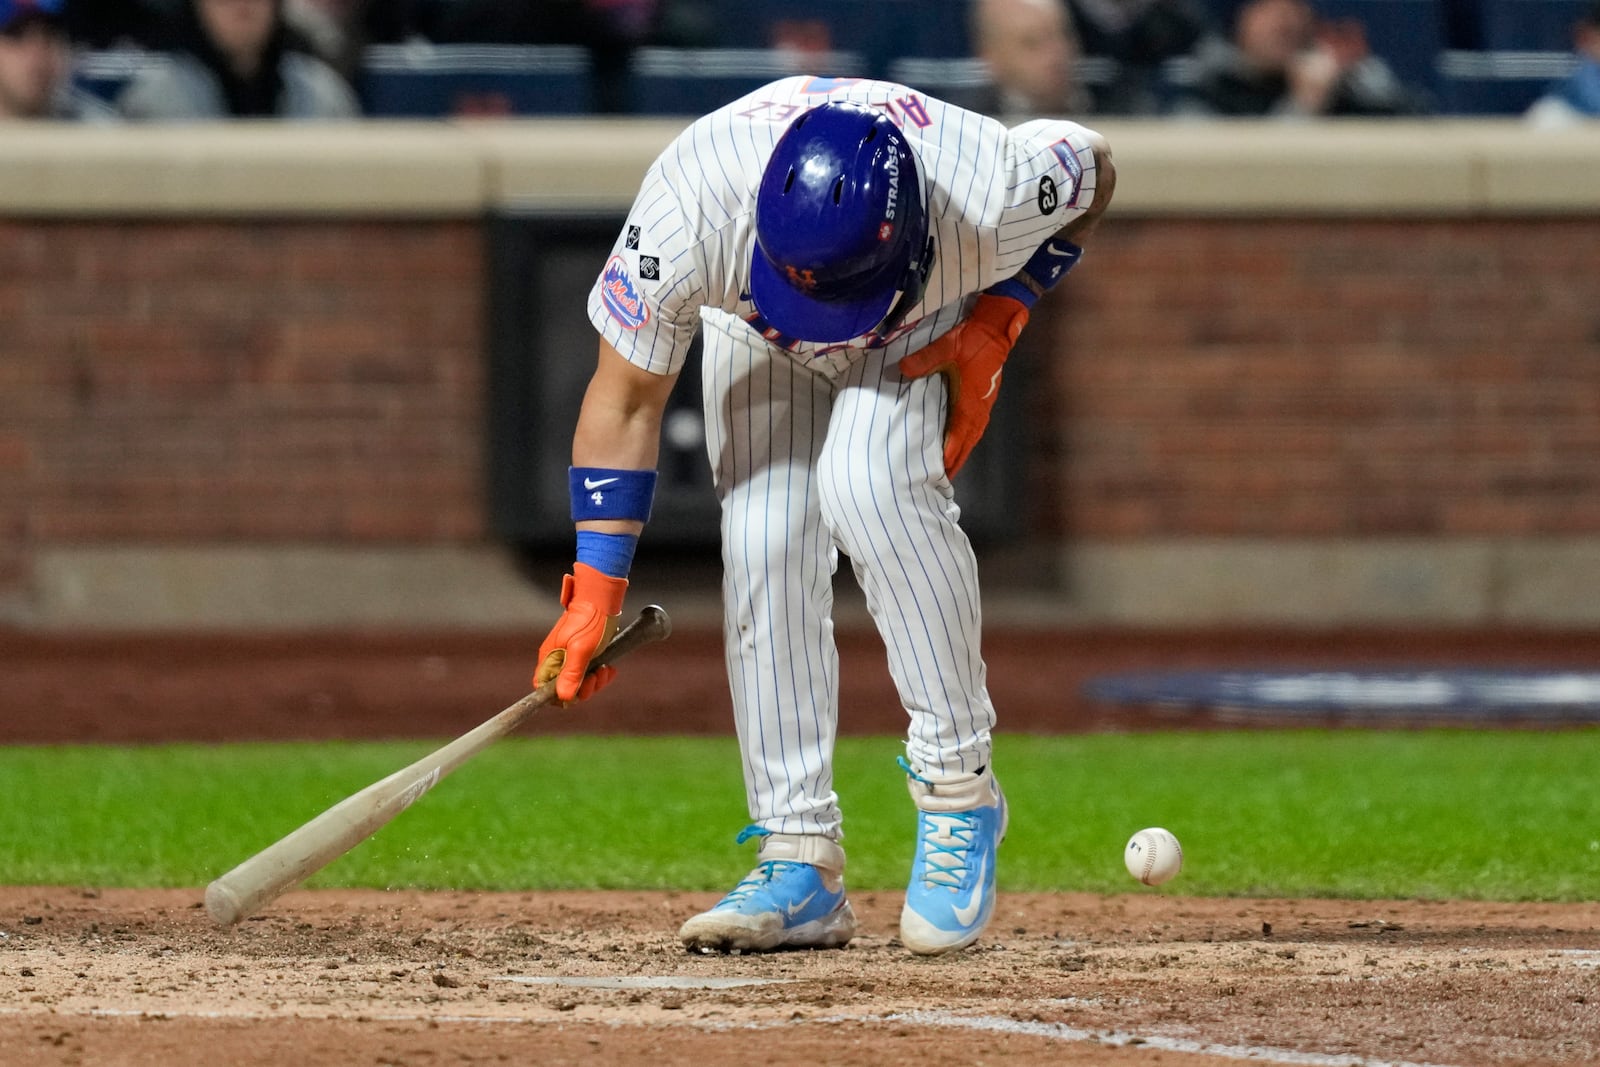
(1580, 957)
(645, 981)
(1062, 1032)
(933, 1019)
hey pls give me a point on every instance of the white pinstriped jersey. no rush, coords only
(993, 196)
(818, 449)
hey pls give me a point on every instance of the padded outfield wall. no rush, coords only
(1318, 374)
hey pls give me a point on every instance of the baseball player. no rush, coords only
(861, 259)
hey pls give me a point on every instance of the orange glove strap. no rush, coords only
(1005, 315)
(587, 585)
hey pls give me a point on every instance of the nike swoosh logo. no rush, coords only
(967, 915)
(595, 483)
(792, 910)
(994, 383)
(1052, 250)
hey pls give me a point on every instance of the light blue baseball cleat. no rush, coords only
(793, 899)
(960, 824)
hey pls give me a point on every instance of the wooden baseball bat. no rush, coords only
(303, 852)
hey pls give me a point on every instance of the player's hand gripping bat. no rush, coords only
(336, 831)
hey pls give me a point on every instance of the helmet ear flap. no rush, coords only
(911, 290)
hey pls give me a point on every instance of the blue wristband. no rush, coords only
(603, 493)
(1049, 263)
(607, 553)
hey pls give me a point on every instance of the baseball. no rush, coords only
(1153, 856)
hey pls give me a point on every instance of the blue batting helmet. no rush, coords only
(842, 245)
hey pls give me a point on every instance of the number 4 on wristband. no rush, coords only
(607, 493)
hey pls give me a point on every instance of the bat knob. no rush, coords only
(659, 619)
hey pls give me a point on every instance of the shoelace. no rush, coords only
(951, 840)
(755, 880)
(945, 852)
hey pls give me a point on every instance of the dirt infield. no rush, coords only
(91, 977)
(340, 977)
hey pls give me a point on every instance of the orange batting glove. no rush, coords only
(970, 357)
(593, 603)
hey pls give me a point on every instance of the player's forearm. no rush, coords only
(619, 428)
(616, 438)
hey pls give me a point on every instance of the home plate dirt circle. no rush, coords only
(346, 977)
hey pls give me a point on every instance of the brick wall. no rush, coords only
(238, 381)
(286, 382)
(1329, 378)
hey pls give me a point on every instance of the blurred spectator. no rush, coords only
(1138, 36)
(327, 27)
(1031, 51)
(36, 64)
(609, 29)
(1577, 97)
(233, 59)
(339, 31)
(1283, 62)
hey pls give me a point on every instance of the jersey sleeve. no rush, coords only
(1050, 182)
(646, 301)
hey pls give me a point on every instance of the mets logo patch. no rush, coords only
(621, 298)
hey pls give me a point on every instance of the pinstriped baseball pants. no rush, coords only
(811, 458)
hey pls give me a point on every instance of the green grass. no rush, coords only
(1509, 816)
